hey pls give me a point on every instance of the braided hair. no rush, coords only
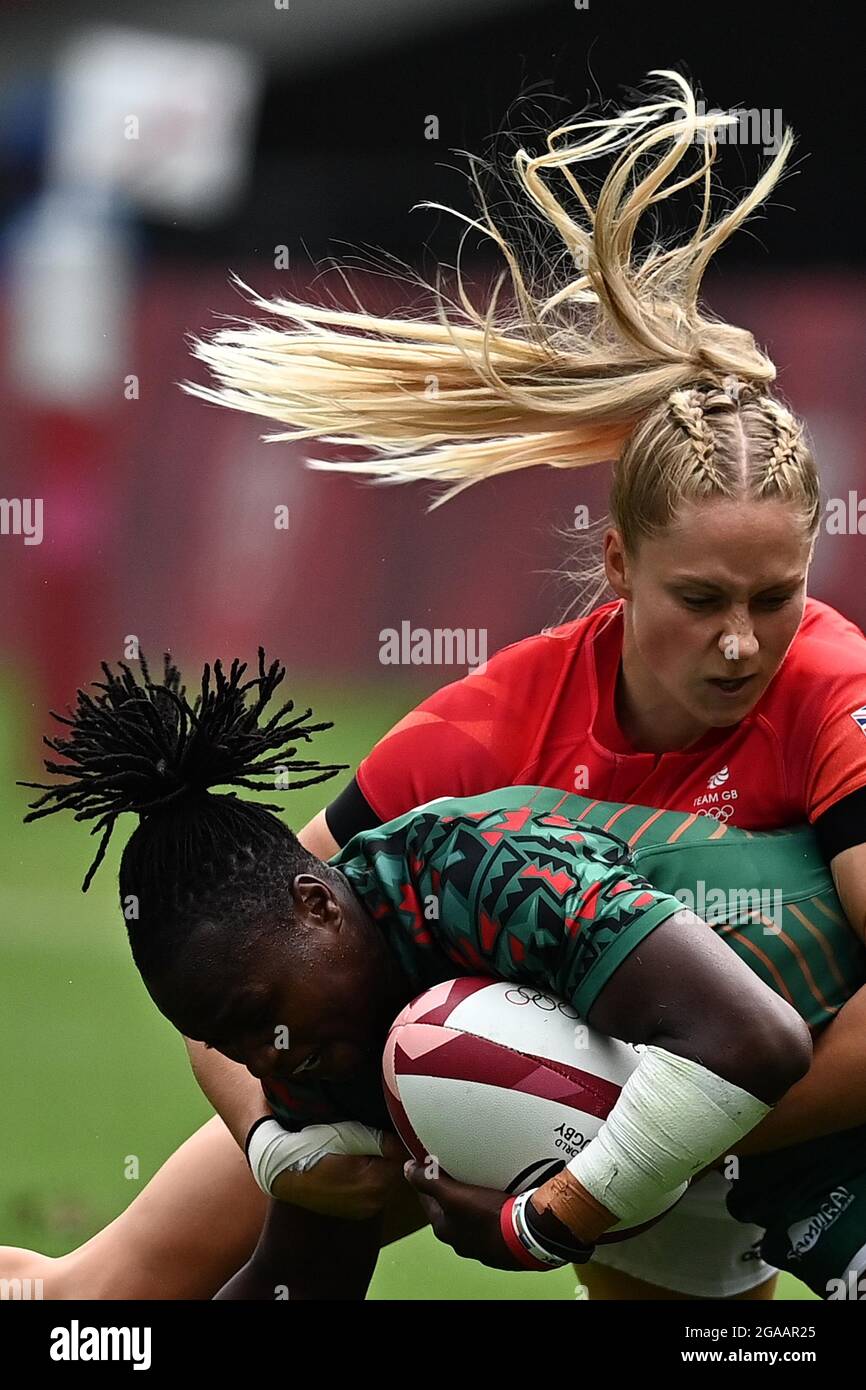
(725, 437)
(592, 346)
(140, 746)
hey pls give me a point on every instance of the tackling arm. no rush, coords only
(832, 1095)
(235, 1095)
(849, 875)
(306, 1254)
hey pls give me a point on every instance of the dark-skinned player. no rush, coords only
(296, 968)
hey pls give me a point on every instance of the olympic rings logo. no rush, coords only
(722, 813)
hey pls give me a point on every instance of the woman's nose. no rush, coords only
(739, 643)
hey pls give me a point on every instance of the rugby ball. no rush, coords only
(502, 1084)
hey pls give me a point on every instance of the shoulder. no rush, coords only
(825, 662)
(827, 641)
(477, 732)
(518, 673)
(816, 707)
(551, 651)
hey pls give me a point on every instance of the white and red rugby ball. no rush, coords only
(503, 1084)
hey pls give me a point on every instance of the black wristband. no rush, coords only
(575, 1253)
(843, 825)
(349, 813)
(253, 1127)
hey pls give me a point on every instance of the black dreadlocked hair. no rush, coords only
(141, 747)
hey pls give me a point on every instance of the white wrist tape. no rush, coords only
(274, 1150)
(525, 1236)
(673, 1117)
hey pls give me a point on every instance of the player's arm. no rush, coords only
(832, 1095)
(849, 875)
(685, 994)
(235, 1095)
(721, 1046)
(306, 1254)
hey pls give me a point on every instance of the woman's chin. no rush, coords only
(723, 711)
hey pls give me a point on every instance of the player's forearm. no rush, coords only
(832, 1094)
(235, 1095)
(304, 1256)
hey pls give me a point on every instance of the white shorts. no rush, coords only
(698, 1249)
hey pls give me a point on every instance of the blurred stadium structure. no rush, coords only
(139, 159)
(301, 125)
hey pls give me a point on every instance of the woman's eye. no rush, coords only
(695, 603)
(774, 602)
(308, 1064)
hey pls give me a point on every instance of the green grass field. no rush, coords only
(91, 1075)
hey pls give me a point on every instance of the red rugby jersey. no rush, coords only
(541, 712)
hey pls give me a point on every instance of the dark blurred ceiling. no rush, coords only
(341, 153)
(287, 34)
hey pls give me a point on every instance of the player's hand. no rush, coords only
(354, 1188)
(464, 1217)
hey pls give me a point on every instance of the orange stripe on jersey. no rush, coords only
(680, 829)
(616, 815)
(821, 939)
(764, 959)
(646, 825)
(583, 815)
(792, 946)
(718, 832)
(828, 912)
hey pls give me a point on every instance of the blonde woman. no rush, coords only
(710, 670)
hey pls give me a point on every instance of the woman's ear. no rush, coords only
(316, 902)
(616, 565)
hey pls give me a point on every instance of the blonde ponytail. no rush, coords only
(596, 366)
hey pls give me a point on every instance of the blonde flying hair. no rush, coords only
(611, 360)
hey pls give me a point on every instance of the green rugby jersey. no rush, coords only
(552, 889)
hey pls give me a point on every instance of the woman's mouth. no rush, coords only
(731, 687)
